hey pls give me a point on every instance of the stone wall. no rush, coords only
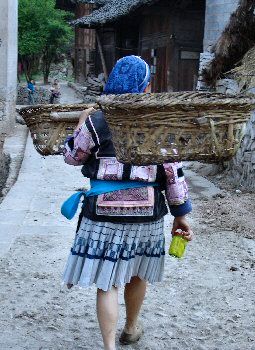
(242, 168)
(4, 166)
(41, 95)
(62, 70)
(91, 88)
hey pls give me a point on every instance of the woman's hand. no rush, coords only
(84, 115)
(181, 222)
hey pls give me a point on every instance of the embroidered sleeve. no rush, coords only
(78, 147)
(176, 189)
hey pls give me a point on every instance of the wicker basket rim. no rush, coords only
(151, 100)
(168, 99)
(28, 110)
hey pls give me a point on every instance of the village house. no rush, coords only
(167, 34)
(170, 35)
(189, 45)
(174, 36)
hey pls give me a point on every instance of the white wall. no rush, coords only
(216, 18)
(8, 60)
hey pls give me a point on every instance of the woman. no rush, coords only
(55, 91)
(120, 239)
(31, 91)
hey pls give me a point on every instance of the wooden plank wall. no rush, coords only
(108, 41)
(170, 40)
(85, 45)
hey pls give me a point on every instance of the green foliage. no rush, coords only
(43, 32)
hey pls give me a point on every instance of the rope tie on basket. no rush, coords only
(215, 139)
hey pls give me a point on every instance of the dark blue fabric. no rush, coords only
(31, 86)
(181, 210)
(131, 74)
(103, 257)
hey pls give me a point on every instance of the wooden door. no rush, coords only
(188, 67)
(160, 81)
(156, 58)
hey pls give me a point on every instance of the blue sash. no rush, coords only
(70, 206)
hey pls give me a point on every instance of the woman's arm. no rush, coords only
(78, 147)
(181, 222)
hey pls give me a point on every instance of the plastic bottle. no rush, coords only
(178, 244)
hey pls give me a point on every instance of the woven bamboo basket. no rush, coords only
(155, 128)
(50, 125)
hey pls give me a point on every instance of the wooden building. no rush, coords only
(85, 39)
(168, 34)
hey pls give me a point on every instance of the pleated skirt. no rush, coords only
(110, 254)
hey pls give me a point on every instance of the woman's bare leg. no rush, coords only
(107, 313)
(134, 296)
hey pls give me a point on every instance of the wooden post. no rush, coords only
(102, 56)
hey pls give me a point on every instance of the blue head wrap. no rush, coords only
(131, 74)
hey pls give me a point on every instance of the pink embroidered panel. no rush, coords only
(83, 143)
(110, 169)
(144, 173)
(176, 187)
(135, 201)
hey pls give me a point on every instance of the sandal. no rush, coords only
(127, 339)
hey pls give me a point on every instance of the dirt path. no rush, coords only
(68, 95)
(205, 302)
(232, 208)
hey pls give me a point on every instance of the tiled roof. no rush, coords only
(109, 11)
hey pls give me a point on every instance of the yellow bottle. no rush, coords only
(178, 244)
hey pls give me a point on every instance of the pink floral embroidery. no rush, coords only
(176, 188)
(169, 173)
(83, 143)
(144, 173)
(110, 169)
(135, 201)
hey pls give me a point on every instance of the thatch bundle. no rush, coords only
(245, 73)
(237, 38)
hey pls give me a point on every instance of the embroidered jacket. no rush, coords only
(92, 147)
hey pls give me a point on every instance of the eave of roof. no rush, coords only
(110, 11)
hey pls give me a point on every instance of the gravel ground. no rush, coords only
(205, 302)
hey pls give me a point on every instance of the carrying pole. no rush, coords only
(102, 56)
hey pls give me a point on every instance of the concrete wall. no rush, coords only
(8, 76)
(8, 59)
(216, 18)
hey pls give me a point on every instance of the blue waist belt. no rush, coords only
(70, 206)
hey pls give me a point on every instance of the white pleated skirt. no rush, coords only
(110, 254)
